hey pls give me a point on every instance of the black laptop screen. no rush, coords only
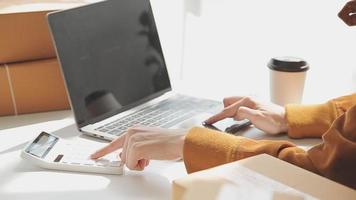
(111, 57)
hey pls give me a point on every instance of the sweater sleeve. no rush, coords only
(314, 120)
(334, 158)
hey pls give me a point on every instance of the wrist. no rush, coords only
(181, 145)
(180, 138)
(284, 122)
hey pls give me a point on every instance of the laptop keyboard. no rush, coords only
(164, 114)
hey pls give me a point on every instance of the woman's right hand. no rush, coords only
(269, 118)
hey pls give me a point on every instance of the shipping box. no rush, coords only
(34, 86)
(30, 78)
(24, 31)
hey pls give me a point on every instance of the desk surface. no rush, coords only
(21, 180)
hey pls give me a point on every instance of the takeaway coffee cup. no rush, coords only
(287, 77)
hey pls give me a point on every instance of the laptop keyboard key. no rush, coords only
(103, 130)
(178, 120)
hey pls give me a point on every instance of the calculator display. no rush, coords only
(42, 145)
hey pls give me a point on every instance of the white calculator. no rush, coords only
(51, 152)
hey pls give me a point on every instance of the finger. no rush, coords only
(114, 145)
(133, 157)
(248, 113)
(231, 100)
(226, 113)
(129, 134)
(131, 137)
(142, 164)
(147, 162)
(260, 120)
(141, 129)
(231, 110)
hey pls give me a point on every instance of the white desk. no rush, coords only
(21, 180)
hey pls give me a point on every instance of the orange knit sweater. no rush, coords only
(334, 158)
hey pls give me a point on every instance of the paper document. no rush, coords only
(260, 177)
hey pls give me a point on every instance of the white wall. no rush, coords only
(169, 20)
(228, 44)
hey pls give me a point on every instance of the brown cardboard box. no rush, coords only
(259, 177)
(6, 105)
(28, 87)
(24, 31)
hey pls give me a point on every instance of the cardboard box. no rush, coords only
(29, 87)
(6, 103)
(24, 31)
(259, 177)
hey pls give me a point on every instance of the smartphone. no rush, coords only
(229, 125)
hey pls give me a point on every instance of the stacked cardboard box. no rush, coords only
(30, 77)
(33, 86)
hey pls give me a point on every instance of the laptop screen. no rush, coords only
(111, 57)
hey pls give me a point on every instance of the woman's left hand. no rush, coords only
(142, 144)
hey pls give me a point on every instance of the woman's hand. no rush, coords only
(348, 13)
(142, 144)
(270, 118)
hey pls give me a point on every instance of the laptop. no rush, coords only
(115, 73)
